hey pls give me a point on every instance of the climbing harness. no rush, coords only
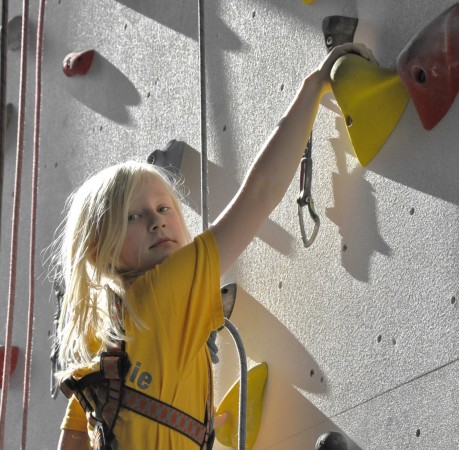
(99, 394)
(103, 393)
(305, 197)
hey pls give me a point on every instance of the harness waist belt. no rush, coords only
(164, 414)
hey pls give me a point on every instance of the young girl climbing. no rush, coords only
(136, 281)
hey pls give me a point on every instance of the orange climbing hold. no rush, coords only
(13, 362)
(78, 63)
(429, 67)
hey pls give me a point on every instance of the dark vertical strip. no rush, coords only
(3, 74)
(204, 162)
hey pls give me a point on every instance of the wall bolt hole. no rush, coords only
(419, 75)
(453, 300)
(411, 211)
(418, 432)
(379, 338)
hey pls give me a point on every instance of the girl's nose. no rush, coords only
(157, 221)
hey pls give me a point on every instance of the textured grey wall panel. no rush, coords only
(359, 331)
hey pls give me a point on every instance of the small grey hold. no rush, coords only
(331, 441)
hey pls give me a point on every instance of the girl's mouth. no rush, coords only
(160, 242)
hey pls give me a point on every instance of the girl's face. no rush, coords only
(154, 229)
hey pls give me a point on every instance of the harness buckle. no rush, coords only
(114, 365)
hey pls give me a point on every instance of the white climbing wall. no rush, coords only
(360, 331)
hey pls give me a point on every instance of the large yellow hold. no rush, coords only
(372, 100)
(227, 434)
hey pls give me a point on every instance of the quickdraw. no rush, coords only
(305, 197)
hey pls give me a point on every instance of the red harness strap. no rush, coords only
(164, 414)
(101, 394)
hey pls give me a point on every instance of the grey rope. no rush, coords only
(243, 384)
(204, 161)
(205, 224)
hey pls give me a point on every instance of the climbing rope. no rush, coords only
(15, 220)
(204, 159)
(243, 385)
(33, 222)
(205, 224)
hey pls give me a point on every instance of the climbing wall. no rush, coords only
(360, 331)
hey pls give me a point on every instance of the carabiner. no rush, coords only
(308, 241)
(305, 197)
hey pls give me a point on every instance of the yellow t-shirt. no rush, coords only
(180, 302)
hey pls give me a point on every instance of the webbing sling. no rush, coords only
(102, 393)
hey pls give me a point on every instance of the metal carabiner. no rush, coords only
(305, 197)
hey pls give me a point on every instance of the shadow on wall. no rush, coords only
(413, 157)
(425, 161)
(220, 39)
(222, 190)
(354, 211)
(287, 414)
(96, 91)
(175, 14)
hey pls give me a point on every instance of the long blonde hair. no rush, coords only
(88, 253)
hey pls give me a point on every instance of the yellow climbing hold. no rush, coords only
(372, 100)
(227, 434)
(308, 2)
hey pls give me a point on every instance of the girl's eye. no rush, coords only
(133, 217)
(163, 209)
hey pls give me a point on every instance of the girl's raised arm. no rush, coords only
(275, 165)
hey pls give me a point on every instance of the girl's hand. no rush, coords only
(73, 440)
(220, 419)
(338, 51)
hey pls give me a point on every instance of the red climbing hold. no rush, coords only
(13, 363)
(429, 67)
(78, 63)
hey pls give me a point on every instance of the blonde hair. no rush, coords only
(88, 253)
